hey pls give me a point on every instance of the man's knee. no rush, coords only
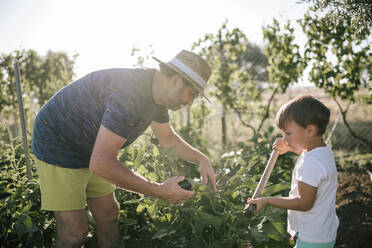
(71, 237)
(112, 213)
(104, 209)
(72, 227)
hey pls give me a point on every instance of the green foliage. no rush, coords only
(339, 62)
(227, 53)
(192, 132)
(358, 12)
(353, 162)
(338, 58)
(41, 77)
(21, 221)
(142, 56)
(208, 219)
(285, 61)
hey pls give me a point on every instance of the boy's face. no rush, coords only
(295, 135)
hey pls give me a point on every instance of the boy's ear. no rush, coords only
(312, 130)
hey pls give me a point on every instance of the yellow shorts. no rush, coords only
(65, 189)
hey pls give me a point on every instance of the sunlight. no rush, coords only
(104, 32)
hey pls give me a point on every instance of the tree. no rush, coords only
(338, 61)
(41, 76)
(285, 61)
(236, 72)
(359, 12)
(255, 62)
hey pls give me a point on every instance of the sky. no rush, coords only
(103, 33)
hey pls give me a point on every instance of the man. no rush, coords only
(79, 131)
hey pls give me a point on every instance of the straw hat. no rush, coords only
(192, 67)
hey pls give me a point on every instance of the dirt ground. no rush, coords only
(354, 210)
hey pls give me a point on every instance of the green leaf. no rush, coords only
(142, 170)
(209, 219)
(153, 210)
(27, 208)
(140, 208)
(235, 194)
(270, 230)
(163, 233)
(152, 176)
(24, 225)
(27, 222)
(272, 189)
(130, 222)
(280, 227)
(258, 235)
(155, 151)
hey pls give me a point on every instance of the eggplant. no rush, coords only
(185, 184)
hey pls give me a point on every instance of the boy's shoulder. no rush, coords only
(320, 156)
(315, 166)
(322, 152)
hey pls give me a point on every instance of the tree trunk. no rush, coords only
(223, 124)
(344, 112)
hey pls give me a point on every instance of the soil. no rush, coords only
(354, 210)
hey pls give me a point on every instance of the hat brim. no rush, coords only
(201, 90)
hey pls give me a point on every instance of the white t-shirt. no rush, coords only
(318, 225)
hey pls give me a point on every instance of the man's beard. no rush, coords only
(174, 107)
(175, 100)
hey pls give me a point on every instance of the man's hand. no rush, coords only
(282, 146)
(206, 172)
(168, 138)
(172, 193)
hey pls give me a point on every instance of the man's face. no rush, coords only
(180, 95)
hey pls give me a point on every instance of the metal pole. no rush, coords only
(22, 118)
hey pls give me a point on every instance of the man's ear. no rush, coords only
(177, 79)
(312, 130)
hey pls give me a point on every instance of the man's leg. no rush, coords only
(72, 228)
(105, 211)
(63, 191)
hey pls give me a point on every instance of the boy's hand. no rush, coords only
(282, 146)
(261, 203)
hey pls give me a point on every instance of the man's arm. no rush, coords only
(168, 138)
(104, 163)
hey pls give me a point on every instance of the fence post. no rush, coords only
(22, 118)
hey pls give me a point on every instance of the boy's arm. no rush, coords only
(303, 202)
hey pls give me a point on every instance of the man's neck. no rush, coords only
(157, 87)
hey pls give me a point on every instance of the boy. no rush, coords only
(311, 202)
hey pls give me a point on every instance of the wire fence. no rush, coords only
(337, 135)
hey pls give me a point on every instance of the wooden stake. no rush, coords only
(22, 119)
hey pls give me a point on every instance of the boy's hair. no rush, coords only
(169, 72)
(304, 110)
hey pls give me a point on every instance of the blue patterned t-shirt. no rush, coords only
(121, 100)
